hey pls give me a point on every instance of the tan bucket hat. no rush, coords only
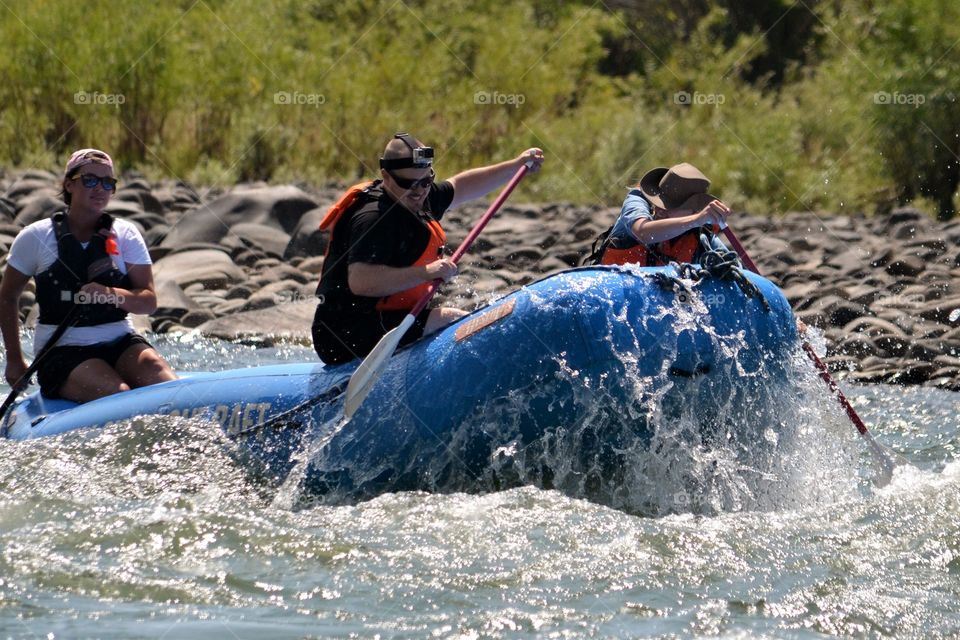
(681, 186)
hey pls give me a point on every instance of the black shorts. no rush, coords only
(60, 361)
(342, 337)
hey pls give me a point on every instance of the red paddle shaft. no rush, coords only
(477, 228)
(821, 367)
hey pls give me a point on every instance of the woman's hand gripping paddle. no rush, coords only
(884, 459)
(20, 385)
(370, 370)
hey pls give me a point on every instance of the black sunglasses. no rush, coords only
(413, 183)
(90, 181)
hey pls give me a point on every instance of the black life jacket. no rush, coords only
(75, 266)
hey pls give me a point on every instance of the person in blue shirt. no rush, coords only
(662, 219)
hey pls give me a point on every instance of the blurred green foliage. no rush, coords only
(834, 106)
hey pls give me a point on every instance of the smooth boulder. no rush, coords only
(214, 269)
(278, 207)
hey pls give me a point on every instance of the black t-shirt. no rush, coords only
(381, 231)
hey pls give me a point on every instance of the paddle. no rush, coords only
(24, 381)
(883, 458)
(369, 371)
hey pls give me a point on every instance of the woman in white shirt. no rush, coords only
(90, 271)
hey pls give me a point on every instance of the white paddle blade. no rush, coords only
(885, 462)
(369, 371)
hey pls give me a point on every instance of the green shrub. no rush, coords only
(276, 89)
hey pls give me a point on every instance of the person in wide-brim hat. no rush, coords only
(662, 220)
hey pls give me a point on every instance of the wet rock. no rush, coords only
(773, 249)
(882, 258)
(9, 228)
(39, 206)
(123, 209)
(905, 214)
(214, 269)
(283, 272)
(8, 210)
(312, 265)
(141, 324)
(873, 327)
(925, 350)
(273, 295)
(892, 345)
(5, 242)
(926, 249)
(910, 372)
(165, 325)
(157, 252)
(196, 318)
(803, 244)
(854, 260)
(26, 187)
(910, 266)
(306, 238)
(904, 231)
(139, 192)
(837, 311)
(801, 295)
(859, 346)
(941, 310)
(291, 321)
(148, 220)
(172, 301)
(265, 263)
(280, 207)
(240, 291)
(269, 241)
(945, 377)
(229, 306)
(246, 257)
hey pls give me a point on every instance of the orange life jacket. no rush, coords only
(683, 248)
(408, 298)
(344, 204)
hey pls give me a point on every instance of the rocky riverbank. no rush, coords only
(242, 264)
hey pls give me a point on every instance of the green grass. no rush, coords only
(216, 91)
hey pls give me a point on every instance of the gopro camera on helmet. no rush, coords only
(421, 157)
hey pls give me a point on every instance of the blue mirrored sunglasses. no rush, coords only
(90, 181)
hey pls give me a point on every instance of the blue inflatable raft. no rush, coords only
(557, 384)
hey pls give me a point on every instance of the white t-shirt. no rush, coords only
(34, 250)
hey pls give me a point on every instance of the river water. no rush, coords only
(151, 530)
